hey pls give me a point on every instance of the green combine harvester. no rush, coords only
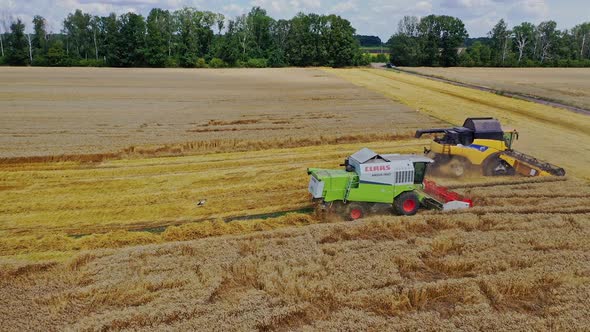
(373, 183)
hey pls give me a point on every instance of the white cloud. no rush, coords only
(423, 6)
(533, 8)
(121, 2)
(468, 4)
(342, 7)
(273, 6)
(234, 9)
(311, 3)
(483, 24)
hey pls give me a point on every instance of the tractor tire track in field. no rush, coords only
(531, 98)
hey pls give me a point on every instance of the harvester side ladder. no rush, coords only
(348, 187)
(446, 149)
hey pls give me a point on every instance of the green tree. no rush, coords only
(306, 40)
(242, 34)
(480, 54)
(430, 32)
(133, 40)
(581, 34)
(453, 35)
(3, 30)
(441, 37)
(56, 56)
(405, 46)
(17, 54)
(111, 39)
(523, 36)
(564, 49)
(499, 42)
(405, 50)
(195, 34)
(343, 49)
(157, 37)
(280, 32)
(39, 41)
(229, 49)
(78, 34)
(466, 59)
(95, 30)
(258, 26)
(547, 36)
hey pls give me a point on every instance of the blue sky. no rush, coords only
(371, 17)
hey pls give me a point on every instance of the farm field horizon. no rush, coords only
(101, 170)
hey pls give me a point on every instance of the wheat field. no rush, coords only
(112, 239)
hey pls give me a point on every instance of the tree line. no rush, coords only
(443, 41)
(183, 38)
(369, 41)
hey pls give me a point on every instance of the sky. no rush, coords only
(369, 17)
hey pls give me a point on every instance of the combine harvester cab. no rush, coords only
(371, 182)
(481, 142)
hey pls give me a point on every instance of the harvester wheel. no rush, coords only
(497, 167)
(355, 211)
(406, 204)
(457, 167)
(331, 211)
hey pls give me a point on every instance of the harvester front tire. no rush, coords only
(457, 167)
(406, 204)
(497, 167)
(355, 211)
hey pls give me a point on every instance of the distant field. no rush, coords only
(52, 111)
(567, 85)
(376, 49)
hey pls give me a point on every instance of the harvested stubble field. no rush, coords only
(51, 111)
(519, 260)
(570, 86)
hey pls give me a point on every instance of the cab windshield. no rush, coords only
(419, 172)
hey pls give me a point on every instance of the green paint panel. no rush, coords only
(337, 181)
(375, 193)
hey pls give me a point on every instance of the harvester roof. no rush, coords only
(483, 125)
(365, 155)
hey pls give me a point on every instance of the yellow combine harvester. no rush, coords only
(481, 142)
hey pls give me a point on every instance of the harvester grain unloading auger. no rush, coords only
(377, 183)
(481, 142)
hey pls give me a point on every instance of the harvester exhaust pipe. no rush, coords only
(421, 132)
